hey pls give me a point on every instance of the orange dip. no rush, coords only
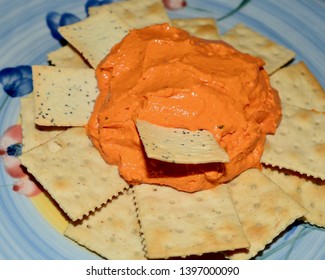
(163, 75)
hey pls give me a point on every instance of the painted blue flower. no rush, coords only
(55, 20)
(96, 3)
(15, 150)
(17, 81)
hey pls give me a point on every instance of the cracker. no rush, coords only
(179, 145)
(205, 28)
(137, 14)
(113, 231)
(95, 36)
(249, 41)
(298, 86)
(34, 135)
(63, 96)
(309, 193)
(177, 223)
(74, 173)
(299, 142)
(263, 209)
(67, 56)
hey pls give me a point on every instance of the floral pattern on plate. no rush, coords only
(16, 82)
(300, 241)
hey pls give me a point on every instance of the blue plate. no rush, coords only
(29, 228)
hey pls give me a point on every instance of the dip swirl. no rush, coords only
(163, 75)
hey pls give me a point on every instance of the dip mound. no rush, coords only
(163, 75)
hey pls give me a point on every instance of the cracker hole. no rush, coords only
(81, 179)
(317, 122)
(283, 133)
(240, 32)
(103, 179)
(54, 147)
(137, 253)
(286, 115)
(311, 160)
(276, 53)
(315, 140)
(77, 195)
(296, 146)
(232, 183)
(259, 43)
(229, 239)
(263, 57)
(241, 45)
(209, 227)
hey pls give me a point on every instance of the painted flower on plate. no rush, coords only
(55, 20)
(10, 149)
(174, 4)
(17, 81)
(96, 3)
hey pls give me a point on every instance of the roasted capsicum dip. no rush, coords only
(167, 77)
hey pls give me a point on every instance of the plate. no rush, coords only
(31, 226)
